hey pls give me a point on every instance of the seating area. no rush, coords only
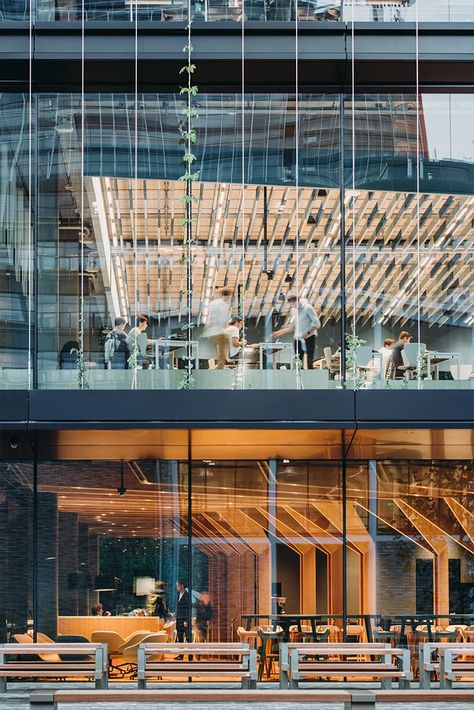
(293, 663)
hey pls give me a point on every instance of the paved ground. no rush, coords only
(16, 698)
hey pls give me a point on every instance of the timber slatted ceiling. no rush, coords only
(399, 247)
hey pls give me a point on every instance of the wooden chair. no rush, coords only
(268, 650)
(170, 628)
(249, 636)
(129, 663)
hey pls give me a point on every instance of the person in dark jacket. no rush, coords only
(204, 614)
(182, 612)
(156, 602)
(116, 352)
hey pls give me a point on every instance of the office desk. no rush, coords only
(167, 347)
(435, 357)
(273, 349)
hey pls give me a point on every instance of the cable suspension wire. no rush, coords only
(299, 342)
(134, 344)
(82, 382)
(419, 354)
(353, 159)
(239, 382)
(30, 262)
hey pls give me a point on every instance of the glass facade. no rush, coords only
(260, 536)
(291, 192)
(238, 10)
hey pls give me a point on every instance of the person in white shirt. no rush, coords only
(304, 323)
(386, 352)
(132, 340)
(233, 333)
(217, 319)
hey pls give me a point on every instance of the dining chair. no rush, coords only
(248, 636)
(269, 650)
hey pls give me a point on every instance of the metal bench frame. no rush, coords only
(427, 665)
(292, 669)
(245, 667)
(98, 668)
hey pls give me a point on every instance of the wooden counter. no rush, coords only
(123, 625)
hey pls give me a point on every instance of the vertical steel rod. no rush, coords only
(342, 250)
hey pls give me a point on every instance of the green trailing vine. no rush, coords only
(133, 362)
(420, 361)
(188, 139)
(353, 373)
(82, 379)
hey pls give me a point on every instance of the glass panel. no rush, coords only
(113, 244)
(412, 521)
(407, 10)
(113, 535)
(270, 534)
(15, 241)
(234, 10)
(409, 259)
(16, 546)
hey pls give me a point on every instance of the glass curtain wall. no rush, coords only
(231, 11)
(109, 221)
(408, 201)
(263, 541)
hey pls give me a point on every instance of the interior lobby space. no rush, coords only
(263, 523)
(280, 178)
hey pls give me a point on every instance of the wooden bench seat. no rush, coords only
(239, 661)
(45, 660)
(301, 661)
(351, 700)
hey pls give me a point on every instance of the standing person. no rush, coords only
(204, 614)
(116, 352)
(386, 352)
(182, 612)
(217, 319)
(156, 602)
(303, 317)
(132, 343)
(396, 360)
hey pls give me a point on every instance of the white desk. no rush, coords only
(168, 346)
(435, 357)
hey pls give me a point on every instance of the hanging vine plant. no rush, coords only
(353, 372)
(187, 139)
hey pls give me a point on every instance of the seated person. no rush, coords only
(141, 326)
(386, 352)
(238, 348)
(233, 333)
(116, 352)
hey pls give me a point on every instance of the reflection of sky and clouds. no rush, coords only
(448, 121)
